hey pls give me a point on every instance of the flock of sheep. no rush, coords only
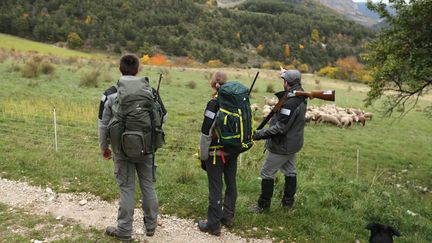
(330, 114)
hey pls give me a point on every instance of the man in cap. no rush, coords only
(284, 139)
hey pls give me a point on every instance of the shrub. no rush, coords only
(3, 57)
(158, 59)
(74, 40)
(267, 65)
(90, 79)
(14, 67)
(30, 69)
(191, 84)
(290, 67)
(106, 77)
(46, 68)
(145, 59)
(215, 63)
(328, 71)
(303, 68)
(270, 88)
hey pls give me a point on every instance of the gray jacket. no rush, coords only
(285, 133)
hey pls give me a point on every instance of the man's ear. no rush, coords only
(393, 231)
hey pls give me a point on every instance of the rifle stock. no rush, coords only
(319, 94)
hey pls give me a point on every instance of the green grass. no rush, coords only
(20, 44)
(332, 204)
(17, 225)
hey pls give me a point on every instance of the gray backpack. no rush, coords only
(136, 126)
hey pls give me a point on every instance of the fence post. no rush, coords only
(358, 161)
(55, 130)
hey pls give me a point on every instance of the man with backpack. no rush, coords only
(130, 119)
(226, 131)
(284, 140)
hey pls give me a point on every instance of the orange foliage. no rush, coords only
(158, 59)
(287, 51)
(349, 64)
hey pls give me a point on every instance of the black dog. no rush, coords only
(381, 233)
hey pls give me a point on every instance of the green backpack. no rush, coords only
(136, 125)
(234, 121)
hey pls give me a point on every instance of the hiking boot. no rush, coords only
(203, 226)
(229, 223)
(150, 232)
(113, 232)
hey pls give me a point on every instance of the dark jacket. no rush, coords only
(208, 139)
(285, 133)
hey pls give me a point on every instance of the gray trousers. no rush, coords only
(124, 172)
(274, 162)
(217, 208)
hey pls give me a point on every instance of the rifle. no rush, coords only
(160, 79)
(253, 83)
(322, 95)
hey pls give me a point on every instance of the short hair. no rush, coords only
(129, 64)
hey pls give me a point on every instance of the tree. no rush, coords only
(315, 35)
(74, 40)
(400, 57)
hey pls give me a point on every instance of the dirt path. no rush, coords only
(90, 210)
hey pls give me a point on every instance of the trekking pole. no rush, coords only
(160, 79)
(253, 83)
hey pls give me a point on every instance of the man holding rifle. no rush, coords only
(284, 140)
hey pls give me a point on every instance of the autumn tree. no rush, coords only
(401, 55)
(315, 35)
(74, 40)
(287, 51)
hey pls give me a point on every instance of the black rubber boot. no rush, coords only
(289, 192)
(264, 200)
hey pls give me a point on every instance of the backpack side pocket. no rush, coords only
(115, 134)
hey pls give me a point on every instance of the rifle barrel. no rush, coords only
(253, 83)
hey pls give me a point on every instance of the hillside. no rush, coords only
(351, 10)
(20, 44)
(200, 30)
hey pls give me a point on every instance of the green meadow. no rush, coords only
(333, 204)
(20, 44)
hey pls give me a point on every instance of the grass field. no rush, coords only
(332, 203)
(20, 44)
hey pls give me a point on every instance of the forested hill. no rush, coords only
(280, 30)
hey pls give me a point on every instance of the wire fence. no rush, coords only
(52, 130)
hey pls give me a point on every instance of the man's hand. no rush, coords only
(256, 135)
(106, 153)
